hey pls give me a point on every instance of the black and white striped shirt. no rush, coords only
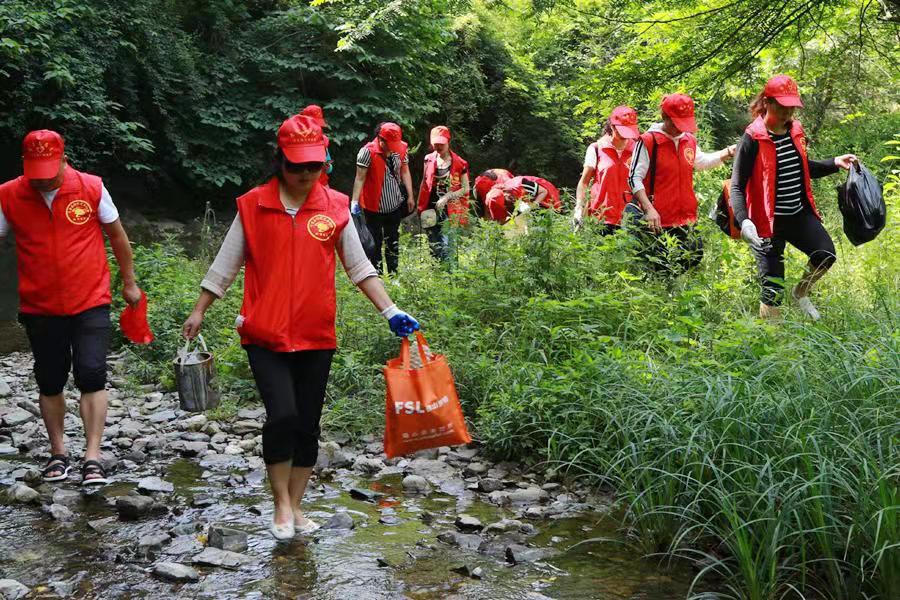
(391, 197)
(788, 175)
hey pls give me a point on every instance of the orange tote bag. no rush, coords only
(422, 409)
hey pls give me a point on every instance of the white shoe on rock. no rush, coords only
(305, 526)
(282, 531)
(808, 307)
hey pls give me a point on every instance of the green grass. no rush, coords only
(765, 453)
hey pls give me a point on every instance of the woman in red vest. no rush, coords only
(534, 191)
(383, 188)
(444, 189)
(58, 216)
(607, 162)
(286, 235)
(771, 195)
(483, 184)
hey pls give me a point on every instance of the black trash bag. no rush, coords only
(862, 205)
(365, 236)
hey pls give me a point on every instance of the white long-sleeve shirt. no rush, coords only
(640, 164)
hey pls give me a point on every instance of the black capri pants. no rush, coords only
(292, 386)
(385, 230)
(806, 233)
(61, 343)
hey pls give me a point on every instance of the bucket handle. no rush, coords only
(182, 355)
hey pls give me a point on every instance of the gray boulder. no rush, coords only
(226, 538)
(176, 572)
(10, 589)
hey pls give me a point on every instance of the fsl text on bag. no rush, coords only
(419, 408)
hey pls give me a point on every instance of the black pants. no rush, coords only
(385, 230)
(77, 342)
(806, 233)
(438, 242)
(292, 386)
(673, 251)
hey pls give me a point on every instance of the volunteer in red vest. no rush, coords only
(58, 216)
(483, 184)
(670, 184)
(607, 162)
(383, 188)
(286, 235)
(772, 198)
(444, 190)
(318, 115)
(534, 191)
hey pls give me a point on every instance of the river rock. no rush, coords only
(6, 449)
(155, 485)
(176, 572)
(416, 484)
(104, 525)
(133, 507)
(162, 416)
(475, 469)
(517, 553)
(5, 390)
(364, 494)
(183, 544)
(216, 557)
(466, 541)
(226, 538)
(153, 542)
(19, 492)
(246, 426)
(488, 485)
(434, 471)
(468, 524)
(60, 513)
(223, 462)
(529, 495)
(469, 571)
(186, 448)
(340, 520)
(17, 416)
(331, 456)
(10, 589)
(194, 423)
(252, 413)
(366, 465)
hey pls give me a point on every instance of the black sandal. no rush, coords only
(93, 467)
(57, 463)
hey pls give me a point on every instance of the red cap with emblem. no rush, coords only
(440, 135)
(42, 151)
(315, 111)
(783, 89)
(624, 119)
(393, 136)
(301, 140)
(680, 108)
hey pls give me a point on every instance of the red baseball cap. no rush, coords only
(440, 135)
(42, 152)
(624, 119)
(315, 111)
(783, 89)
(680, 108)
(301, 140)
(393, 136)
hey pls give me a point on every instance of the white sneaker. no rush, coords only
(807, 307)
(284, 531)
(305, 526)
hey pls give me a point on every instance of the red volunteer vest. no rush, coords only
(60, 252)
(370, 197)
(673, 190)
(762, 185)
(484, 184)
(458, 168)
(551, 200)
(495, 205)
(610, 192)
(289, 293)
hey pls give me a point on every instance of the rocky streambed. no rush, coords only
(186, 517)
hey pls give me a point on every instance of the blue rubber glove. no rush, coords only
(355, 208)
(400, 323)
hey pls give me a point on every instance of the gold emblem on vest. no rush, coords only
(689, 155)
(79, 212)
(321, 227)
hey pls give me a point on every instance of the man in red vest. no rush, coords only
(662, 178)
(383, 188)
(58, 216)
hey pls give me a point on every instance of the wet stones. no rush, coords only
(162, 416)
(175, 572)
(368, 466)
(469, 571)
(488, 485)
(133, 507)
(104, 525)
(227, 538)
(365, 495)
(5, 390)
(10, 589)
(468, 524)
(155, 485)
(246, 426)
(60, 513)
(186, 448)
(517, 553)
(19, 492)
(466, 541)
(7, 449)
(150, 545)
(215, 557)
(331, 456)
(475, 469)
(194, 423)
(416, 484)
(340, 521)
(17, 416)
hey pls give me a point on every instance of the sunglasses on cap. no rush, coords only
(304, 167)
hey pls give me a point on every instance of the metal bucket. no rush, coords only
(195, 376)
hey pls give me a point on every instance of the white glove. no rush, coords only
(750, 235)
(523, 207)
